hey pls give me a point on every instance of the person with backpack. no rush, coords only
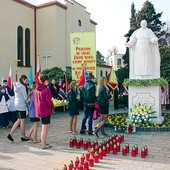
(89, 99)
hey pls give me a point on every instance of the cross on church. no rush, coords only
(46, 56)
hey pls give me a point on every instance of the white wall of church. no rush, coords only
(12, 15)
(51, 36)
(76, 12)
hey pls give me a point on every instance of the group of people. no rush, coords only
(91, 94)
(37, 99)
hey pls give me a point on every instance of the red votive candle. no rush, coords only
(96, 157)
(124, 153)
(114, 149)
(82, 159)
(77, 162)
(133, 151)
(118, 147)
(100, 155)
(146, 150)
(86, 166)
(71, 165)
(78, 144)
(136, 148)
(91, 161)
(127, 148)
(87, 155)
(143, 152)
(71, 143)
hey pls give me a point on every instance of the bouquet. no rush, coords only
(141, 114)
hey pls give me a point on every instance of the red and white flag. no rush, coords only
(38, 71)
(9, 82)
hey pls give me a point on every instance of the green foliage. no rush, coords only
(145, 82)
(56, 73)
(99, 58)
(165, 62)
(149, 14)
(122, 74)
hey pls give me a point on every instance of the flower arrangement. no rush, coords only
(140, 114)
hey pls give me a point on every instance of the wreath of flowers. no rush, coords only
(140, 114)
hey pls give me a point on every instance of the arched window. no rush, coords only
(101, 73)
(106, 74)
(27, 47)
(79, 22)
(20, 45)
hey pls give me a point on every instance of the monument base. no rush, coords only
(149, 95)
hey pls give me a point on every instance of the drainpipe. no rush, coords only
(35, 38)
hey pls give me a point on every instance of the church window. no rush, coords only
(101, 73)
(106, 74)
(79, 22)
(27, 47)
(20, 45)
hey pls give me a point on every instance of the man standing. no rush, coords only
(89, 98)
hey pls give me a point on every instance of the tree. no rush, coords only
(165, 62)
(149, 14)
(99, 58)
(56, 73)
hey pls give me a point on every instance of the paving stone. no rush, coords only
(26, 155)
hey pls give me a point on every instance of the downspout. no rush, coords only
(35, 37)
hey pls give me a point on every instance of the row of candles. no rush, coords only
(99, 150)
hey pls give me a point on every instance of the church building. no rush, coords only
(28, 31)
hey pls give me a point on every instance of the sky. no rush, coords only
(112, 17)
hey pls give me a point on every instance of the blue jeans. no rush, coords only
(88, 114)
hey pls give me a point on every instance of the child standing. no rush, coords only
(4, 104)
(33, 131)
(73, 99)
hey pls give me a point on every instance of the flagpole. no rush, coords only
(16, 69)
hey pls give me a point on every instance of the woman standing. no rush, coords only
(33, 131)
(20, 104)
(103, 100)
(43, 107)
(73, 99)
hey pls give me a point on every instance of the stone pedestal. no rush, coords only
(149, 95)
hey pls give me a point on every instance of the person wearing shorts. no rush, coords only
(32, 134)
(43, 107)
(20, 104)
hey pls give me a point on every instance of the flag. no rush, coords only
(30, 77)
(38, 71)
(125, 89)
(112, 79)
(84, 77)
(66, 83)
(9, 82)
(63, 90)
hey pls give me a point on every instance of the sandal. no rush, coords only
(47, 146)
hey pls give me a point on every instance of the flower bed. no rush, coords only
(119, 121)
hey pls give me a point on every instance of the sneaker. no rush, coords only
(90, 133)
(82, 132)
(70, 131)
(23, 139)
(95, 134)
(10, 137)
